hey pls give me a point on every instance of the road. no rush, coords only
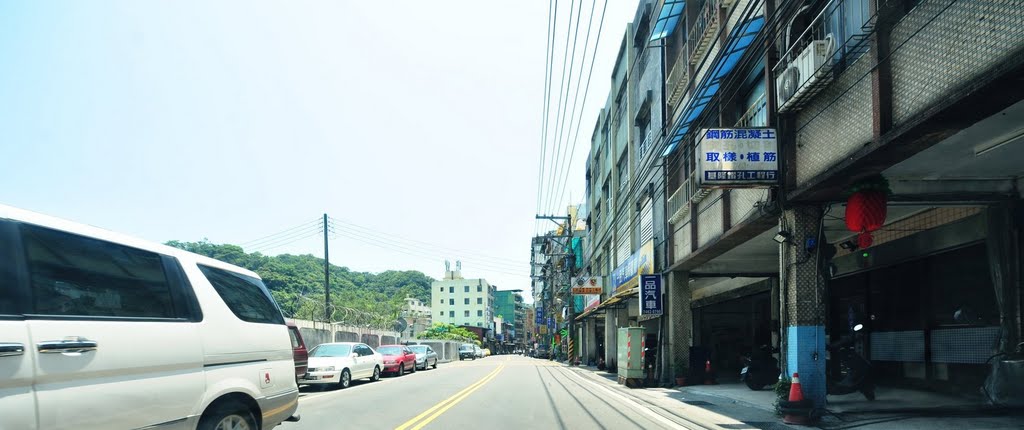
(498, 392)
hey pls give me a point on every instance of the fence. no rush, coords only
(315, 333)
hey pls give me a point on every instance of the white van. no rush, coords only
(103, 331)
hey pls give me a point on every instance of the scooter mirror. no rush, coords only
(858, 327)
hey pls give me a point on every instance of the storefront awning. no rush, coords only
(671, 11)
(740, 39)
(614, 299)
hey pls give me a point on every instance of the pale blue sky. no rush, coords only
(234, 120)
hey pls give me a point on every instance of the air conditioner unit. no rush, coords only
(812, 66)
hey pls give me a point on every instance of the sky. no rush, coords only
(416, 126)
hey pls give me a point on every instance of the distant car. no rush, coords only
(478, 351)
(542, 352)
(467, 350)
(398, 359)
(338, 363)
(425, 356)
(487, 352)
(299, 353)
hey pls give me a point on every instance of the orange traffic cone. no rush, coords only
(796, 410)
(708, 377)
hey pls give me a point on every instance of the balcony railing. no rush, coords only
(679, 202)
(835, 38)
(704, 29)
(755, 116)
(645, 145)
(678, 80)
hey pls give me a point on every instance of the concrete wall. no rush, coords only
(447, 350)
(315, 333)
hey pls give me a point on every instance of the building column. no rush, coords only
(611, 328)
(803, 302)
(590, 340)
(678, 320)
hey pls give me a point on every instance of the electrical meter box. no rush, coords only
(631, 352)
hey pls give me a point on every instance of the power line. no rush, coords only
(370, 236)
(565, 81)
(348, 234)
(306, 224)
(288, 241)
(545, 110)
(430, 245)
(586, 92)
(286, 237)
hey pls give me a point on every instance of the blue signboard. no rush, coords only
(539, 318)
(650, 295)
(641, 262)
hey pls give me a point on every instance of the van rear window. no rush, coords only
(246, 296)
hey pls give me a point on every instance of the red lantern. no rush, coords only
(865, 213)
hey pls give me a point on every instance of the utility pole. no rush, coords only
(565, 274)
(570, 299)
(327, 277)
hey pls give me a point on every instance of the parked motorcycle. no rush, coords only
(760, 369)
(856, 368)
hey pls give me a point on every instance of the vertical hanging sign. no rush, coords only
(650, 296)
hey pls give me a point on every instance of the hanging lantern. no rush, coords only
(866, 209)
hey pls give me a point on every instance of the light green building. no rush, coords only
(460, 301)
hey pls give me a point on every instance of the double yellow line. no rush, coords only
(435, 411)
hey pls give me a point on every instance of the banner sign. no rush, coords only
(640, 263)
(650, 296)
(737, 157)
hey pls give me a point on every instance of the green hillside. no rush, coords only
(297, 282)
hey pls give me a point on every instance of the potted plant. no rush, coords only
(681, 372)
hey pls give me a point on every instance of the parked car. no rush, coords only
(425, 356)
(131, 334)
(486, 352)
(467, 350)
(478, 351)
(338, 363)
(299, 353)
(398, 359)
(542, 351)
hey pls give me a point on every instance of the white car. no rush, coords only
(103, 331)
(338, 363)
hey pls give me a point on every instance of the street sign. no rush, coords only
(586, 285)
(737, 157)
(583, 291)
(650, 296)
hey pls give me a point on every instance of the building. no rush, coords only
(460, 301)
(508, 305)
(418, 316)
(854, 104)
(529, 326)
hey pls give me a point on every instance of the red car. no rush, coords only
(398, 359)
(299, 353)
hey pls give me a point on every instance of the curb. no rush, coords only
(769, 408)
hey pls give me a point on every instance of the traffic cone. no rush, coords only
(708, 378)
(796, 410)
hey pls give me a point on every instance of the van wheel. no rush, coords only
(229, 416)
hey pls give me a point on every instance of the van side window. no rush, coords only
(246, 296)
(79, 276)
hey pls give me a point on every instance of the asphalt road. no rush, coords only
(498, 392)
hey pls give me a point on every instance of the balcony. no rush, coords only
(679, 202)
(837, 36)
(645, 145)
(678, 80)
(704, 29)
(755, 116)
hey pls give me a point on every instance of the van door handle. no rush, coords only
(73, 344)
(9, 349)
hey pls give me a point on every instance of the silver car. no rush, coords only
(425, 356)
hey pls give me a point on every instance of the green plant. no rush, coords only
(781, 389)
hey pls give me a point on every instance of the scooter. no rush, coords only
(760, 369)
(856, 368)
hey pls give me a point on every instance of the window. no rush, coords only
(440, 313)
(479, 300)
(451, 302)
(247, 297)
(451, 290)
(479, 313)
(466, 301)
(442, 289)
(75, 275)
(467, 289)
(465, 313)
(292, 333)
(442, 301)
(622, 172)
(479, 288)
(451, 314)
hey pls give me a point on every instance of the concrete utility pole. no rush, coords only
(565, 273)
(327, 277)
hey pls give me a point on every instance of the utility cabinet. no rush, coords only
(630, 353)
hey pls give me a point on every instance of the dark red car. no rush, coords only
(299, 353)
(398, 359)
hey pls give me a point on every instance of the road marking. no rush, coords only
(446, 404)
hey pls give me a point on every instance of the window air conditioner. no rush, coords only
(812, 66)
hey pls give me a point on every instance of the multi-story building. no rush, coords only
(418, 316)
(460, 301)
(912, 99)
(508, 304)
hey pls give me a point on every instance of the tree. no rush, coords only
(442, 331)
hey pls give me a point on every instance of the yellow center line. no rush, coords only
(458, 399)
(451, 400)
